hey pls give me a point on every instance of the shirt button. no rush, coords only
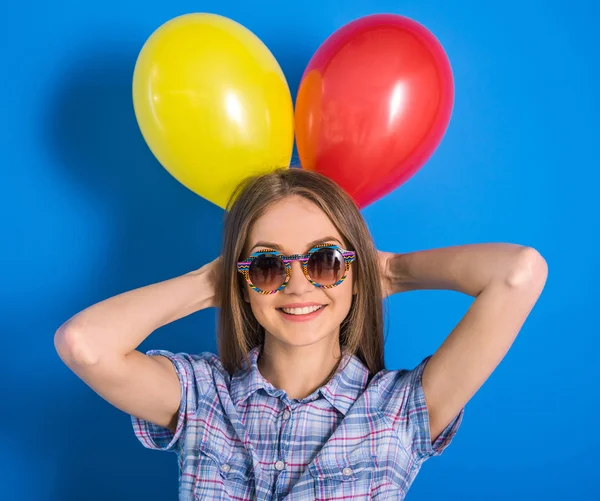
(225, 468)
(347, 471)
(280, 465)
(286, 415)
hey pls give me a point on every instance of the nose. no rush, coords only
(298, 283)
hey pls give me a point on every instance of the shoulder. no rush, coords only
(202, 367)
(395, 388)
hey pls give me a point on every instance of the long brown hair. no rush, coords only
(361, 332)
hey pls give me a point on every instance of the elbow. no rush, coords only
(530, 269)
(71, 348)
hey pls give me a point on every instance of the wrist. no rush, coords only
(203, 285)
(398, 273)
(394, 272)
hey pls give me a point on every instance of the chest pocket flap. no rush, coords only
(344, 467)
(235, 465)
(223, 475)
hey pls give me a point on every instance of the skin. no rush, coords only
(506, 281)
(298, 356)
(99, 343)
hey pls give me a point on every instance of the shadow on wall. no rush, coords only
(159, 230)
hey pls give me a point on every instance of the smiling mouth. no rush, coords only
(301, 311)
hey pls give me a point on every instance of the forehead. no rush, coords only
(292, 223)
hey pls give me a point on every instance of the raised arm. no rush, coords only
(99, 344)
(505, 279)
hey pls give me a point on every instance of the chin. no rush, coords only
(300, 335)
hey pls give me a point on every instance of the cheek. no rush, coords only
(262, 305)
(341, 296)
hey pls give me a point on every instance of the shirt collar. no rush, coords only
(341, 391)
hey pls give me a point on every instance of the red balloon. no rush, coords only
(373, 104)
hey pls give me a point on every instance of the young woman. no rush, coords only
(299, 405)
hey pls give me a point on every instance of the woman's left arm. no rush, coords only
(505, 279)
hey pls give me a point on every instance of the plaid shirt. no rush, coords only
(240, 438)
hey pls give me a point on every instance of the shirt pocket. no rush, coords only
(223, 476)
(343, 476)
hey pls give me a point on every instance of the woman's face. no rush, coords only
(295, 225)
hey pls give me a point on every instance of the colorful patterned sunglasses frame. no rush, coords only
(244, 266)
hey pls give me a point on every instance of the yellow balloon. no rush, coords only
(212, 103)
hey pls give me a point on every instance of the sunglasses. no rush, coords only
(268, 271)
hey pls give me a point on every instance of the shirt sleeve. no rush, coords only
(403, 400)
(193, 374)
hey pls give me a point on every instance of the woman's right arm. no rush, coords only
(99, 344)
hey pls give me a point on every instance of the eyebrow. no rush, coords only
(272, 245)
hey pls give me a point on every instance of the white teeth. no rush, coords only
(301, 311)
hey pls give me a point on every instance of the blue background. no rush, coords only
(87, 213)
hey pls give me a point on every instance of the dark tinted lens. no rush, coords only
(267, 272)
(326, 266)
